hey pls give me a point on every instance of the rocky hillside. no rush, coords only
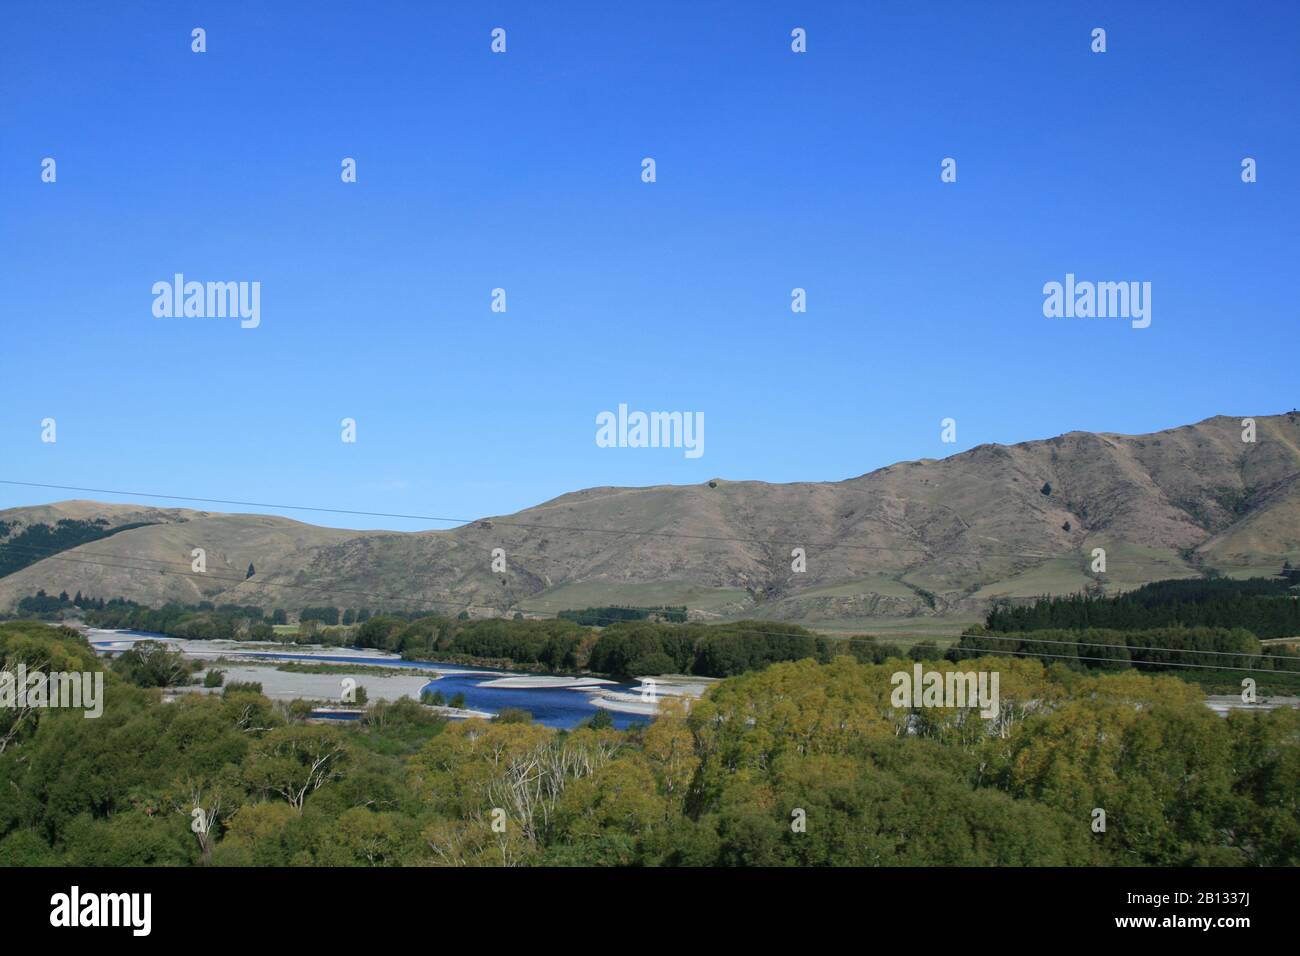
(916, 540)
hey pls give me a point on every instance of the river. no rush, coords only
(559, 706)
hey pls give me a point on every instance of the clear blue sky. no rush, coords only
(522, 171)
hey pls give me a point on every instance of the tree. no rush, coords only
(153, 664)
(250, 571)
(207, 803)
(259, 834)
(924, 651)
(295, 762)
(668, 746)
(1162, 772)
(326, 615)
(509, 715)
(618, 799)
(40, 649)
(362, 837)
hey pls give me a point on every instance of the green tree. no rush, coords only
(295, 762)
(153, 664)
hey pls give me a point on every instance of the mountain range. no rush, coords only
(918, 545)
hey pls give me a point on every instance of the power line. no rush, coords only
(52, 555)
(429, 602)
(302, 587)
(497, 609)
(1026, 637)
(845, 639)
(521, 564)
(527, 525)
(1120, 660)
(465, 605)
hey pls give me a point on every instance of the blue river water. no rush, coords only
(553, 706)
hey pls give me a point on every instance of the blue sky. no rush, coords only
(522, 171)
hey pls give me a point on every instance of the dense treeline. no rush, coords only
(1267, 607)
(204, 621)
(798, 764)
(1110, 649)
(121, 612)
(636, 649)
(38, 541)
(326, 615)
(720, 650)
(550, 644)
(42, 604)
(612, 614)
(625, 649)
(628, 649)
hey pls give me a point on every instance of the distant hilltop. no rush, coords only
(915, 543)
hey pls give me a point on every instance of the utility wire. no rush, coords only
(527, 525)
(1120, 660)
(456, 602)
(1025, 637)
